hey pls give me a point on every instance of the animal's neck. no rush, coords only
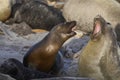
(53, 43)
(97, 48)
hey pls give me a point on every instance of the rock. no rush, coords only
(5, 77)
(21, 29)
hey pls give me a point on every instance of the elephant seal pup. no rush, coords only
(100, 57)
(83, 12)
(6, 8)
(16, 69)
(37, 15)
(44, 55)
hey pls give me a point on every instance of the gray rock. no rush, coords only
(65, 78)
(5, 77)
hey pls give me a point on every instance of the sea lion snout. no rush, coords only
(71, 27)
(68, 28)
(71, 23)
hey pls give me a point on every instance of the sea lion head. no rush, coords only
(100, 28)
(65, 30)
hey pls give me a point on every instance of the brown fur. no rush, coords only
(100, 57)
(44, 55)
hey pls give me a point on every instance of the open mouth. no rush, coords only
(97, 27)
(98, 23)
(72, 27)
(74, 31)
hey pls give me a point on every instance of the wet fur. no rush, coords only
(100, 57)
(44, 56)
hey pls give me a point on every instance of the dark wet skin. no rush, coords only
(44, 56)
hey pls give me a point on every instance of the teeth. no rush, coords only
(79, 33)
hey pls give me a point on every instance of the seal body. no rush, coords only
(117, 30)
(118, 1)
(100, 57)
(37, 15)
(5, 9)
(16, 69)
(83, 11)
(44, 56)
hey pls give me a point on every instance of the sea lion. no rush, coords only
(37, 15)
(44, 56)
(83, 12)
(100, 57)
(16, 69)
